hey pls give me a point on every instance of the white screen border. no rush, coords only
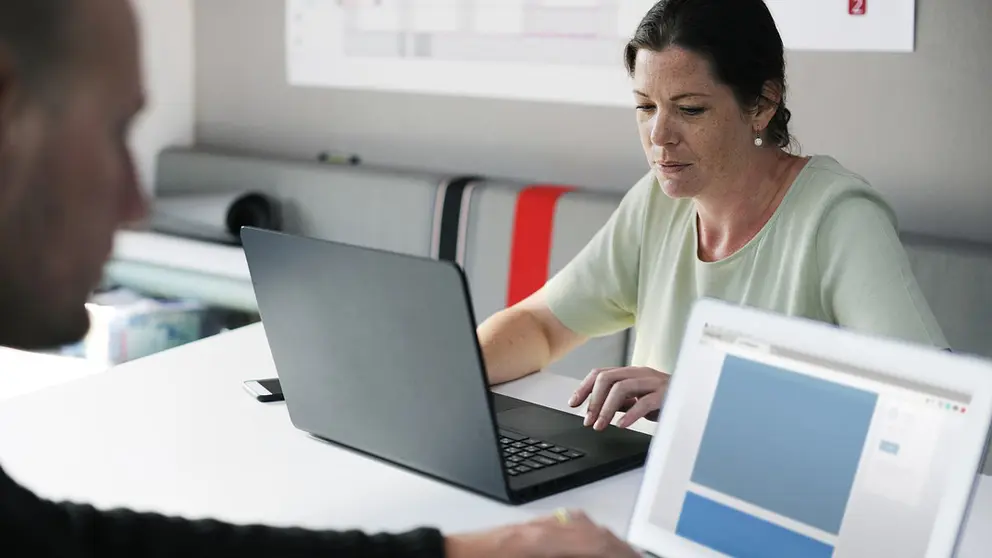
(906, 361)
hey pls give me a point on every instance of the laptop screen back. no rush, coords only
(777, 453)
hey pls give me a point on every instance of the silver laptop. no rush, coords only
(786, 437)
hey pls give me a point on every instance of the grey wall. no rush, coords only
(918, 126)
(168, 60)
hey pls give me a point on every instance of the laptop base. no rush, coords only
(602, 454)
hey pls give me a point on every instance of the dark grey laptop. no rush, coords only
(377, 352)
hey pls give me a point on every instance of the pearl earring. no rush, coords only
(758, 142)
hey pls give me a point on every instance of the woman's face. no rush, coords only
(692, 128)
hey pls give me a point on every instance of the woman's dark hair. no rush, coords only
(740, 40)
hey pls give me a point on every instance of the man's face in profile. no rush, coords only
(67, 179)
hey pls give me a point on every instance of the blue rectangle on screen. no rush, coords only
(738, 534)
(889, 447)
(784, 441)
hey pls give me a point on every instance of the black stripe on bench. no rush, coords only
(451, 215)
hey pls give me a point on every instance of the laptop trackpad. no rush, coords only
(538, 422)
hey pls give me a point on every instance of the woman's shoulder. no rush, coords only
(835, 206)
(827, 188)
(829, 177)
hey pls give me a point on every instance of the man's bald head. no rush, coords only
(36, 33)
(70, 87)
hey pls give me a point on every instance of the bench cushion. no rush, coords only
(491, 245)
(956, 279)
(359, 205)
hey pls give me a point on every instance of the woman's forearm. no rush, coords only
(514, 344)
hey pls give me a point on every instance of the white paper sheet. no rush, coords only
(509, 49)
(829, 25)
(377, 15)
(435, 16)
(502, 17)
(629, 15)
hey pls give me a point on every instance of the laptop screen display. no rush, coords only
(788, 455)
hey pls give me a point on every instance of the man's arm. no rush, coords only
(39, 528)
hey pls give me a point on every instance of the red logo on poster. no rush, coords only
(856, 7)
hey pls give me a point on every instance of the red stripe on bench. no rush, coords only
(533, 228)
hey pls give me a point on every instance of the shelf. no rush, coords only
(181, 254)
(164, 265)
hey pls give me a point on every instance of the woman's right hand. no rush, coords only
(635, 390)
(578, 537)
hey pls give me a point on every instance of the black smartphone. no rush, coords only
(266, 391)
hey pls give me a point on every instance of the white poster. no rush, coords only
(545, 50)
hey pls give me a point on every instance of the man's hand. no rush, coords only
(578, 537)
(637, 391)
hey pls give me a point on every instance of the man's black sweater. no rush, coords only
(30, 526)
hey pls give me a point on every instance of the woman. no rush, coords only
(725, 212)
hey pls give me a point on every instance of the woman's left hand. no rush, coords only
(637, 391)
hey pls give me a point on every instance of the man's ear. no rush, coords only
(768, 103)
(18, 134)
(11, 90)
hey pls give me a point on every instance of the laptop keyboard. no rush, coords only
(522, 454)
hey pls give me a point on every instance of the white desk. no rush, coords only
(24, 372)
(175, 433)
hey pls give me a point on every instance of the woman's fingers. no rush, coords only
(636, 387)
(601, 389)
(609, 391)
(585, 387)
(645, 407)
